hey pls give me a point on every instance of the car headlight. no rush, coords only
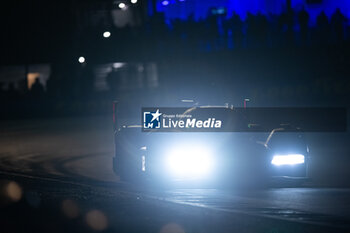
(288, 159)
(189, 162)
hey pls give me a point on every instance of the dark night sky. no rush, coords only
(33, 30)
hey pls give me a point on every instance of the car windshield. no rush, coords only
(285, 140)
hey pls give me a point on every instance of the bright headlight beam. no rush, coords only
(191, 162)
(289, 159)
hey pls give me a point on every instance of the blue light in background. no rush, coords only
(328, 6)
(200, 8)
(165, 3)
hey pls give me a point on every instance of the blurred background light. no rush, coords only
(14, 191)
(165, 3)
(198, 9)
(106, 34)
(70, 208)
(118, 65)
(172, 227)
(133, 1)
(31, 77)
(121, 5)
(81, 59)
(96, 220)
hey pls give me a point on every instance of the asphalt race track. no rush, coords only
(56, 175)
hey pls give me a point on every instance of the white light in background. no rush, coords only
(118, 65)
(81, 60)
(133, 1)
(106, 34)
(121, 5)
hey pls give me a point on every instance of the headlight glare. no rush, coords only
(289, 159)
(189, 162)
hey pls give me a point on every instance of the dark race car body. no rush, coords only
(244, 158)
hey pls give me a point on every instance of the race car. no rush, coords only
(237, 158)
